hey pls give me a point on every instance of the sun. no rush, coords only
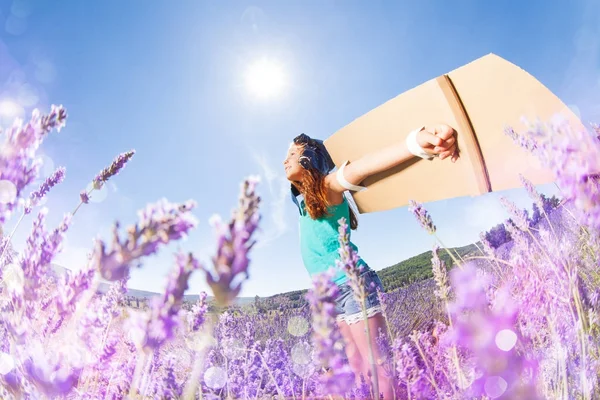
(265, 78)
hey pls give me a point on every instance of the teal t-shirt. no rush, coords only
(319, 240)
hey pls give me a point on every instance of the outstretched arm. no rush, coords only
(437, 140)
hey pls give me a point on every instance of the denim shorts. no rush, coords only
(349, 309)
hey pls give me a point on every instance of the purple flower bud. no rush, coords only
(41, 248)
(35, 197)
(533, 193)
(422, 216)
(519, 217)
(55, 120)
(84, 196)
(440, 275)
(198, 313)
(487, 246)
(348, 262)
(113, 170)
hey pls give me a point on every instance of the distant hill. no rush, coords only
(418, 268)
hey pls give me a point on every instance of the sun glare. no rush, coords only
(9, 108)
(265, 78)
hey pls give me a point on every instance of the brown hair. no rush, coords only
(312, 187)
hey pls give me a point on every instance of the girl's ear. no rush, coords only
(304, 162)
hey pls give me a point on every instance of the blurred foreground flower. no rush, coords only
(487, 330)
(18, 165)
(573, 155)
(327, 337)
(159, 224)
(164, 318)
(233, 245)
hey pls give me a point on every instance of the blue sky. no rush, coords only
(167, 79)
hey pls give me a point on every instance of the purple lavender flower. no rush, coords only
(198, 314)
(72, 288)
(277, 358)
(526, 142)
(108, 351)
(84, 196)
(164, 310)
(116, 166)
(440, 275)
(233, 245)
(18, 164)
(497, 236)
(573, 155)
(519, 217)
(159, 224)
(52, 374)
(55, 120)
(326, 335)
(41, 249)
(533, 193)
(596, 128)
(422, 216)
(35, 197)
(487, 246)
(411, 372)
(348, 262)
(487, 329)
(171, 389)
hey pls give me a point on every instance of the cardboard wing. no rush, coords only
(479, 100)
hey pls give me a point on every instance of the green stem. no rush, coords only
(81, 202)
(492, 258)
(279, 392)
(448, 251)
(192, 383)
(550, 225)
(431, 376)
(391, 340)
(371, 356)
(139, 366)
(11, 235)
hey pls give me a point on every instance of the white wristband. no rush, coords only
(413, 145)
(344, 183)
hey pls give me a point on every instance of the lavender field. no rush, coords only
(518, 319)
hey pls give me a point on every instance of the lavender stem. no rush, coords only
(11, 235)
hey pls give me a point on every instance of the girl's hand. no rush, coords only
(429, 140)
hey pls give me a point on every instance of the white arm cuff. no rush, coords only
(413, 145)
(344, 183)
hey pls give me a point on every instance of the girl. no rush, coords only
(322, 203)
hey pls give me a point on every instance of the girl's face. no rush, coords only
(291, 164)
